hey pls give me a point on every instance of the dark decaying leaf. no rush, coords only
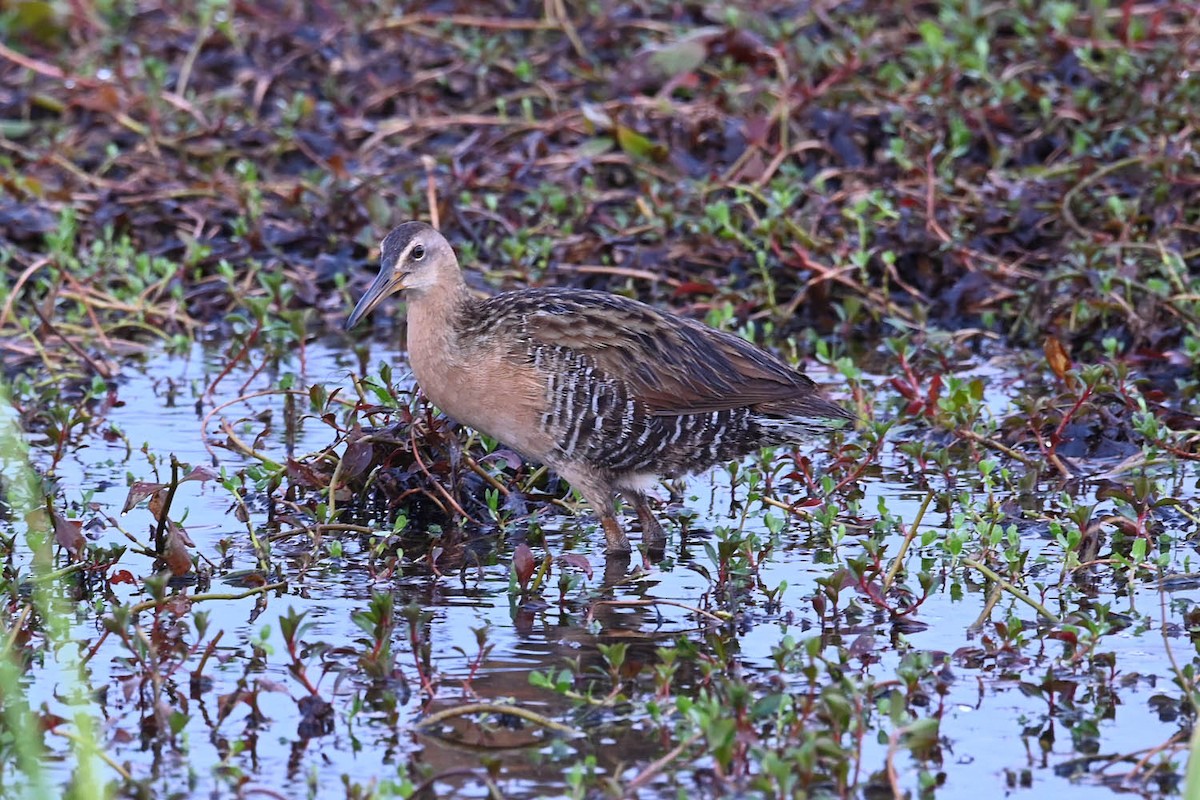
(1057, 357)
(316, 717)
(104, 98)
(122, 576)
(523, 564)
(158, 503)
(19, 222)
(139, 491)
(578, 561)
(68, 533)
(357, 458)
(304, 476)
(176, 553)
(744, 47)
(245, 579)
(202, 474)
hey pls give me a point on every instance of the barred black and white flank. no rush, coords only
(611, 393)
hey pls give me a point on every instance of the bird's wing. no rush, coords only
(670, 364)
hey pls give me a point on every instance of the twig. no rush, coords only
(18, 624)
(478, 469)
(70, 569)
(250, 341)
(622, 272)
(239, 399)
(209, 649)
(931, 223)
(249, 789)
(892, 775)
(462, 21)
(320, 528)
(865, 463)
(909, 535)
(1166, 633)
(1014, 591)
(15, 292)
(42, 68)
(1000, 448)
(160, 532)
(431, 190)
(189, 61)
(99, 369)
(557, 10)
(498, 708)
(202, 598)
(393, 127)
(1139, 765)
(91, 312)
(992, 599)
(98, 752)
(436, 483)
(240, 446)
(800, 513)
(331, 502)
(658, 765)
(721, 617)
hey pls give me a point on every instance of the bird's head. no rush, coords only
(413, 258)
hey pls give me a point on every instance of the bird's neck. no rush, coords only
(435, 317)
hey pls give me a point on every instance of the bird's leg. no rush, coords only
(603, 503)
(618, 542)
(599, 495)
(652, 532)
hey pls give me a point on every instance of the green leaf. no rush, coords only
(638, 146)
(921, 735)
(679, 58)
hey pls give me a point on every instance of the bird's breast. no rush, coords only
(483, 390)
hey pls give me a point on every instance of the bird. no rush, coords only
(610, 393)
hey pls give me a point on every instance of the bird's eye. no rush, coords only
(418, 253)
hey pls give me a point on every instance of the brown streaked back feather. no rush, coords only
(672, 365)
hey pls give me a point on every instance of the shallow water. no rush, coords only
(993, 727)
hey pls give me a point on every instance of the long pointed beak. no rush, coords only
(385, 283)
